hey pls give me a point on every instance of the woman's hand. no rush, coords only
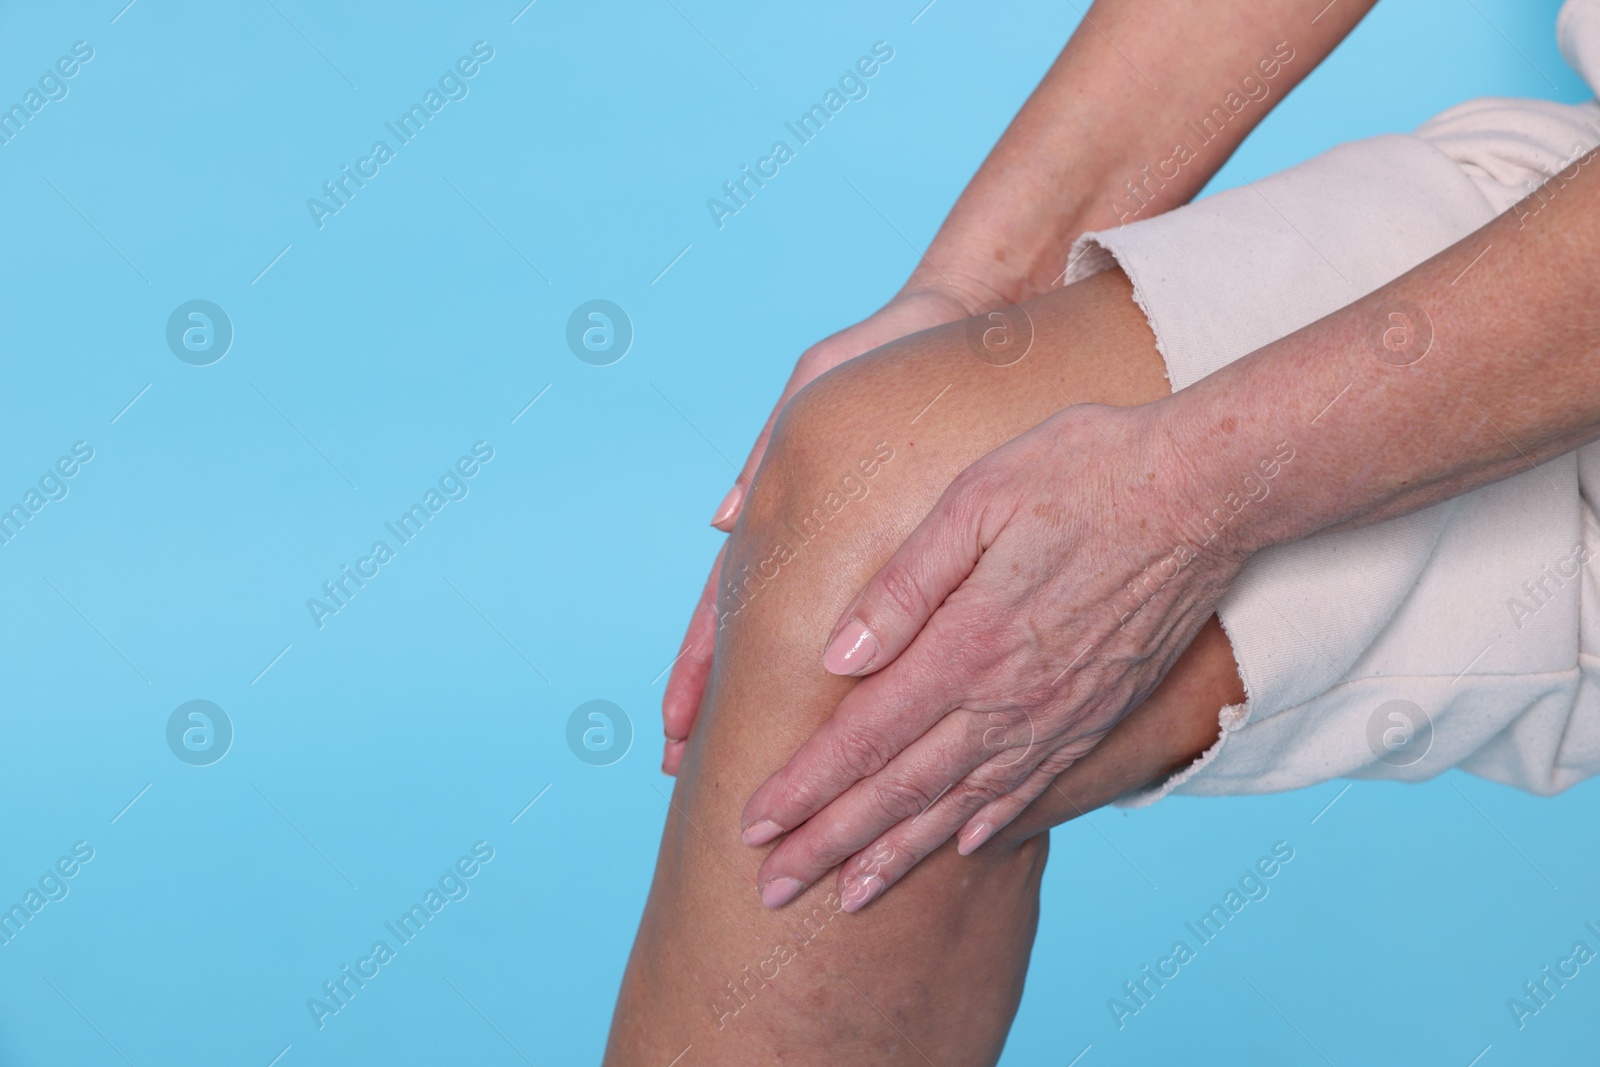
(1059, 170)
(913, 310)
(1047, 593)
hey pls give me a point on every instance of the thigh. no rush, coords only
(857, 459)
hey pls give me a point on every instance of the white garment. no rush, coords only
(1330, 631)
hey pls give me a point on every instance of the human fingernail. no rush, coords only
(729, 507)
(779, 891)
(969, 840)
(672, 756)
(761, 831)
(852, 651)
(859, 892)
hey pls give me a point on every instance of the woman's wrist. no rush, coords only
(1231, 463)
(1098, 143)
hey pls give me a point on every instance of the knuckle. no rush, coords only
(1007, 774)
(978, 792)
(900, 799)
(967, 494)
(812, 853)
(1056, 762)
(965, 484)
(861, 753)
(898, 590)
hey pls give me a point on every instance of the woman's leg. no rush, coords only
(933, 971)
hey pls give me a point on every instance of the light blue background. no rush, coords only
(423, 718)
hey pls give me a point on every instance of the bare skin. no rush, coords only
(1077, 157)
(939, 963)
(1450, 372)
(935, 969)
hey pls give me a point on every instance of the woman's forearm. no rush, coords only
(1141, 108)
(1476, 365)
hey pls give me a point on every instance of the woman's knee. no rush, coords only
(884, 434)
(829, 501)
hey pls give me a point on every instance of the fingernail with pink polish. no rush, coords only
(760, 832)
(859, 892)
(729, 505)
(779, 891)
(971, 838)
(853, 651)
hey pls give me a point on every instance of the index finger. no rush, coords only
(872, 724)
(891, 623)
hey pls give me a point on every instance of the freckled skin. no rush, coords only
(938, 962)
(1051, 513)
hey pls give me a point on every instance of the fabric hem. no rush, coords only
(1090, 255)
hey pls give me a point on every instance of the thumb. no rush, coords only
(898, 601)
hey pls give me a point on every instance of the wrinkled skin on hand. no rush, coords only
(1047, 593)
